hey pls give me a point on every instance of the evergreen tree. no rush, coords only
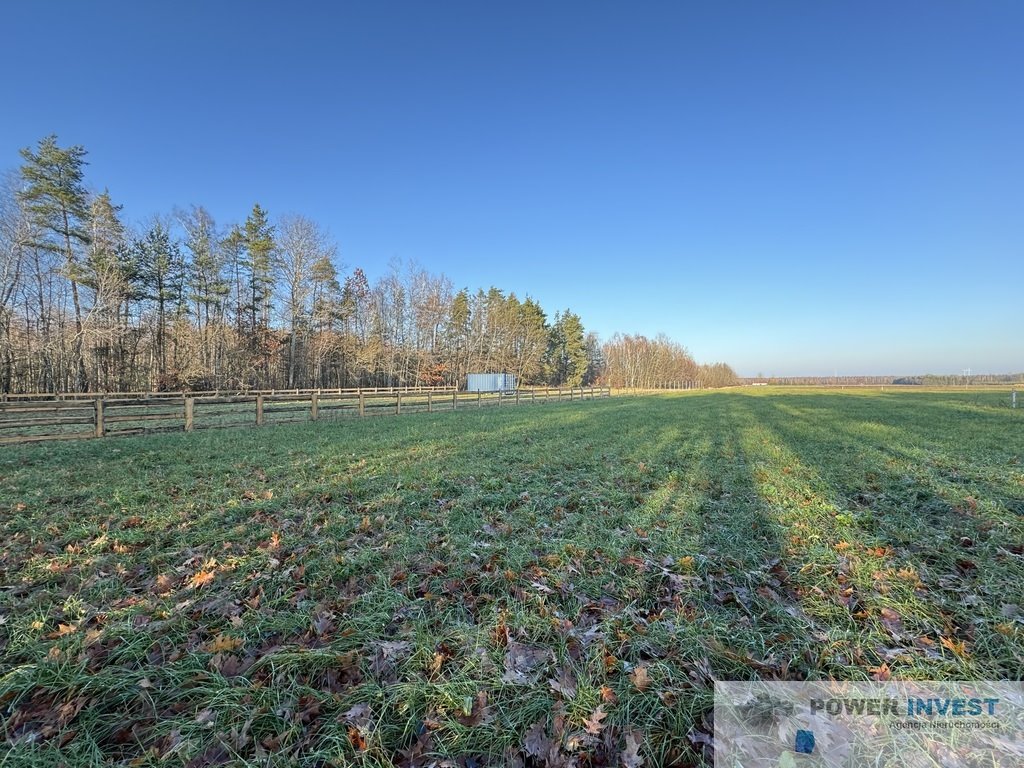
(109, 270)
(260, 249)
(55, 199)
(162, 277)
(567, 350)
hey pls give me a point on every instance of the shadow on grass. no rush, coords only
(928, 547)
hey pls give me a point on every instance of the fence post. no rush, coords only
(259, 410)
(398, 403)
(455, 400)
(533, 396)
(499, 398)
(314, 406)
(362, 403)
(517, 395)
(189, 413)
(430, 401)
(479, 399)
(99, 417)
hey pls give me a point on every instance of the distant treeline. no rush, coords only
(927, 380)
(88, 304)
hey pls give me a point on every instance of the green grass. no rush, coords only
(475, 585)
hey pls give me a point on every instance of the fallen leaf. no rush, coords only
(476, 712)
(959, 647)
(436, 663)
(223, 642)
(200, 579)
(537, 743)
(385, 660)
(62, 630)
(356, 739)
(593, 724)
(564, 684)
(522, 663)
(892, 621)
(631, 754)
(358, 716)
(641, 680)
(227, 664)
(206, 717)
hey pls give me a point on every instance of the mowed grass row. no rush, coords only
(556, 585)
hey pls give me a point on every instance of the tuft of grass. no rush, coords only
(391, 591)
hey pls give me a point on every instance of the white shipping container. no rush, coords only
(490, 382)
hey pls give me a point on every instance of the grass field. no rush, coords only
(556, 585)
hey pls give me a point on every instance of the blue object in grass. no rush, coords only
(804, 742)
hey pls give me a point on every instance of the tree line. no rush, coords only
(927, 380)
(88, 303)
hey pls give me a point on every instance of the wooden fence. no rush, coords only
(77, 418)
(18, 397)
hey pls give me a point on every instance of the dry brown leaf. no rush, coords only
(356, 739)
(436, 662)
(892, 621)
(223, 642)
(593, 724)
(959, 647)
(227, 664)
(631, 754)
(608, 695)
(477, 712)
(537, 743)
(564, 684)
(62, 630)
(641, 680)
(522, 663)
(201, 579)
(359, 716)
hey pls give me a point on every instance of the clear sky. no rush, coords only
(792, 187)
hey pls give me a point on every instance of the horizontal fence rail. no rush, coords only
(15, 397)
(132, 413)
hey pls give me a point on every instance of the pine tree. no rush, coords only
(109, 271)
(58, 205)
(260, 248)
(567, 350)
(162, 278)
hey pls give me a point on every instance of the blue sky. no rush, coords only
(792, 187)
